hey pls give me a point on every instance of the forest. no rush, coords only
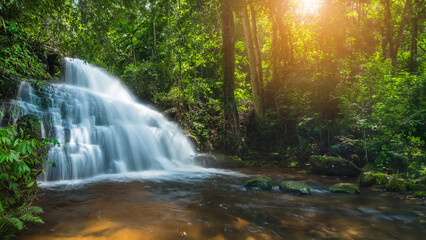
(270, 83)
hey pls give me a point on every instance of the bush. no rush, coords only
(385, 111)
(21, 162)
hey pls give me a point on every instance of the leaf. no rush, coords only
(15, 222)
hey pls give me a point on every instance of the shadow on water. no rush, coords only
(214, 205)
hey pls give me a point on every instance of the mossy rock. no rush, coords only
(369, 179)
(344, 188)
(333, 166)
(30, 126)
(396, 185)
(295, 187)
(264, 183)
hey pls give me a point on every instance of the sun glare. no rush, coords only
(310, 5)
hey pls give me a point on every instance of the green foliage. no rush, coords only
(147, 79)
(196, 109)
(21, 161)
(326, 73)
(396, 185)
(387, 112)
(368, 179)
(17, 57)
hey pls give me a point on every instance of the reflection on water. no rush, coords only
(213, 204)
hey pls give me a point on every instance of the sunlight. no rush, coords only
(310, 5)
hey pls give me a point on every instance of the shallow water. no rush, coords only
(212, 204)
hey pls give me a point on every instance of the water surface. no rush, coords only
(212, 204)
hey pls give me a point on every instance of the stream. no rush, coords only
(200, 203)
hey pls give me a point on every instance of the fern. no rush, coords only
(16, 223)
(18, 181)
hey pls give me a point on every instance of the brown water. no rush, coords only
(212, 205)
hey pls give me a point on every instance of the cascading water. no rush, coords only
(102, 129)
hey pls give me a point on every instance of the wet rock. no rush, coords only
(217, 161)
(67, 133)
(295, 187)
(30, 126)
(333, 166)
(344, 188)
(369, 179)
(49, 126)
(264, 183)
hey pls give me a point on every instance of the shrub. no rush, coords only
(21, 162)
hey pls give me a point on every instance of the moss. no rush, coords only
(420, 194)
(368, 179)
(295, 187)
(344, 188)
(396, 185)
(264, 183)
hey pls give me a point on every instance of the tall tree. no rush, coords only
(413, 47)
(394, 51)
(231, 122)
(273, 84)
(257, 51)
(388, 39)
(255, 86)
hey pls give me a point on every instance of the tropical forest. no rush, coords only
(212, 119)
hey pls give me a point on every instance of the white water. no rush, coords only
(102, 129)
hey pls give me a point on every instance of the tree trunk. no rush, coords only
(413, 50)
(155, 36)
(133, 51)
(257, 53)
(273, 84)
(388, 26)
(252, 63)
(394, 56)
(180, 52)
(230, 121)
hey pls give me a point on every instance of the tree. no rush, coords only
(251, 52)
(230, 122)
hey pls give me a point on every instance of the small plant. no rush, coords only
(21, 162)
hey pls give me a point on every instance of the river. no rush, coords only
(213, 204)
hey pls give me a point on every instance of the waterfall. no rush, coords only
(101, 127)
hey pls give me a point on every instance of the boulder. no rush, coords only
(369, 179)
(295, 187)
(333, 166)
(344, 188)
(264, 183)
(30, 126)
(217, 161)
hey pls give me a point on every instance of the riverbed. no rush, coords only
(213, 204)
